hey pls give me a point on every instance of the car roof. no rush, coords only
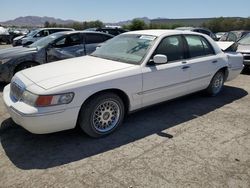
(94, 32)
(159, 32)
(55, 28)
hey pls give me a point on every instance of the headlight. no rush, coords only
(46, 100)
(29, 98)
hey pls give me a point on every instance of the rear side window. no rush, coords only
(92, 38)
(51, 31)
(172, 47)
(198, 46)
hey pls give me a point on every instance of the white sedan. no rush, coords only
(129, 72)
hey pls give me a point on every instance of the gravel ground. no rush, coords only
(194, 141)
(2, 46)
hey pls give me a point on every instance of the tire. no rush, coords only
(216, 84)
(24, 65)
(101, 115)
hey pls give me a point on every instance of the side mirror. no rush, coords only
(160, 59)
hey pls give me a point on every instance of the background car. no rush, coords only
(219, 35)
(58, 46)
(37, 34)
(199, 30)
(244, 48)
(109, 30)
(234, 36)
(8, 34)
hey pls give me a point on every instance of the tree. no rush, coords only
(137, 25)
(46, 24)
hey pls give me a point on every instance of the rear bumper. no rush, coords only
(234, 72)
(36, 122)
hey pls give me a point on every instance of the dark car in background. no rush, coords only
(36, 34)
(58, 46)
(234, 36)
(199, 30)
(110, 30)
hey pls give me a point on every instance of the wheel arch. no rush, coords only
(124, 97)
(23, 62)
(225, 71)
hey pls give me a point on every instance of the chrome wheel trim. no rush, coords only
(106, 116)
(217, 83)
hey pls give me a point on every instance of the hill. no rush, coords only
(34, 21)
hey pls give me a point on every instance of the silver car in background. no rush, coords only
(58, 46)
(36, 34)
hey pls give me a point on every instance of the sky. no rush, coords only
(117, 10)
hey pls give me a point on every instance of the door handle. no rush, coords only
(185, 67)
(215, 61)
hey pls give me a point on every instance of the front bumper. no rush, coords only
(246, 60)
(39, 121)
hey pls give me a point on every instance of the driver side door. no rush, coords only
(166, 81)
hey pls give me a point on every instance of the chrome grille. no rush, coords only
(16, 91)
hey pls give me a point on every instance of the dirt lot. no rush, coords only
(194, 141)
(5, 46)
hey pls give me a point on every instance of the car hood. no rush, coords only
(67, 71)
(243, 48)
(15, 51)
(19, 37)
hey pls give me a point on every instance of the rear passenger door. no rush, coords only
(202, 61)
(92, 40)
(68, 46)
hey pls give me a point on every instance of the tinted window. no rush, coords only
(203, 31)
(106, 37)
(112, 31)
(198, 46)
(69, 40)
(94, 38)
(172, 47)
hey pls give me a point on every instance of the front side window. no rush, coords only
(172, 47)
(198, 46)
(69, 40)
(42, 33)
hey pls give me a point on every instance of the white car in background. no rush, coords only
(129, 72)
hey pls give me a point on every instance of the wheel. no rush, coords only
(25, 65)
(101, 115)
(216, 84)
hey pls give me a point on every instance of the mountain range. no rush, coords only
(34, 21)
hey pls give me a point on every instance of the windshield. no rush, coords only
(46, 40)
(128, 48)
(32, 33)
(245, 40)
